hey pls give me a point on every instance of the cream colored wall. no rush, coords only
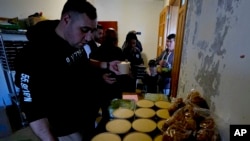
(166, 2)
(23, 8)
(215, 39)
(140, 15)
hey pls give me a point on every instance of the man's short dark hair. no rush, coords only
(152, 63)
(80, 6)
(99, 26)
(171, 36)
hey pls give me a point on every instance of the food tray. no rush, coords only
(121, 103)
(155, 97)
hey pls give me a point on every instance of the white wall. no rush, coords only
(216, 36)
(23, 8)
(139, 15)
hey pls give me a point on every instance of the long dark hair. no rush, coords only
(110, 37)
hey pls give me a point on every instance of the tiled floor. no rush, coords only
(24, 134)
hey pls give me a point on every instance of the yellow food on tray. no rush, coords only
(144, 112)
(106, 136)
(118, 126)
(137, 136)
(162, 104)
(160, 124)
(158, 138)
(123, 113)
(145, 103)
(144, 125)
(162, 113)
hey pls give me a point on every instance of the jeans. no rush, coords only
(166, 91)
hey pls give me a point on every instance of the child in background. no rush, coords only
(151, 78)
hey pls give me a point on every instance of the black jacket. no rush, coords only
(55, 81)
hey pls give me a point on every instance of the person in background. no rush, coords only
(131, 51)
(138, 42)
(93, 44)
(151, 78)
(133, 55)
(111, 86)
(98, 35)
(55, 76)
(165, 62)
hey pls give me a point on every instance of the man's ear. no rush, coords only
(66, 18)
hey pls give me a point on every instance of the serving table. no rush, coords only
(144, 124)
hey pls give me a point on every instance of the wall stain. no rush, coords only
(208, 75)
(203, 45)
(210, 53)
(195, 31)
(198, 7)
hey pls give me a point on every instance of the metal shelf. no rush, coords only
(9, 47)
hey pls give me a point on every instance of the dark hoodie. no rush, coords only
(53, 78)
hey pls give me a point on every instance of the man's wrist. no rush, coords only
(107, 65)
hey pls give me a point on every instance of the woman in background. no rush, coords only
(111, 86)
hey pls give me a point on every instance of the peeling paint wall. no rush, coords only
(216, 58)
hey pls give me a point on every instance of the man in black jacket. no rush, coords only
(55, 76)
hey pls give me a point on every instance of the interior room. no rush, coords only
(211, 50)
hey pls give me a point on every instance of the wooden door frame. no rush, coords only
(178, 46)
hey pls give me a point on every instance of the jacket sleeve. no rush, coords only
(30, 100)
(159, 58)
(139, 45)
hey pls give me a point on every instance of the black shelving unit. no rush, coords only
(9, 47)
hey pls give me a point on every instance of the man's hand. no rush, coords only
(108, 78)
(113, 66)
(162, 63)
